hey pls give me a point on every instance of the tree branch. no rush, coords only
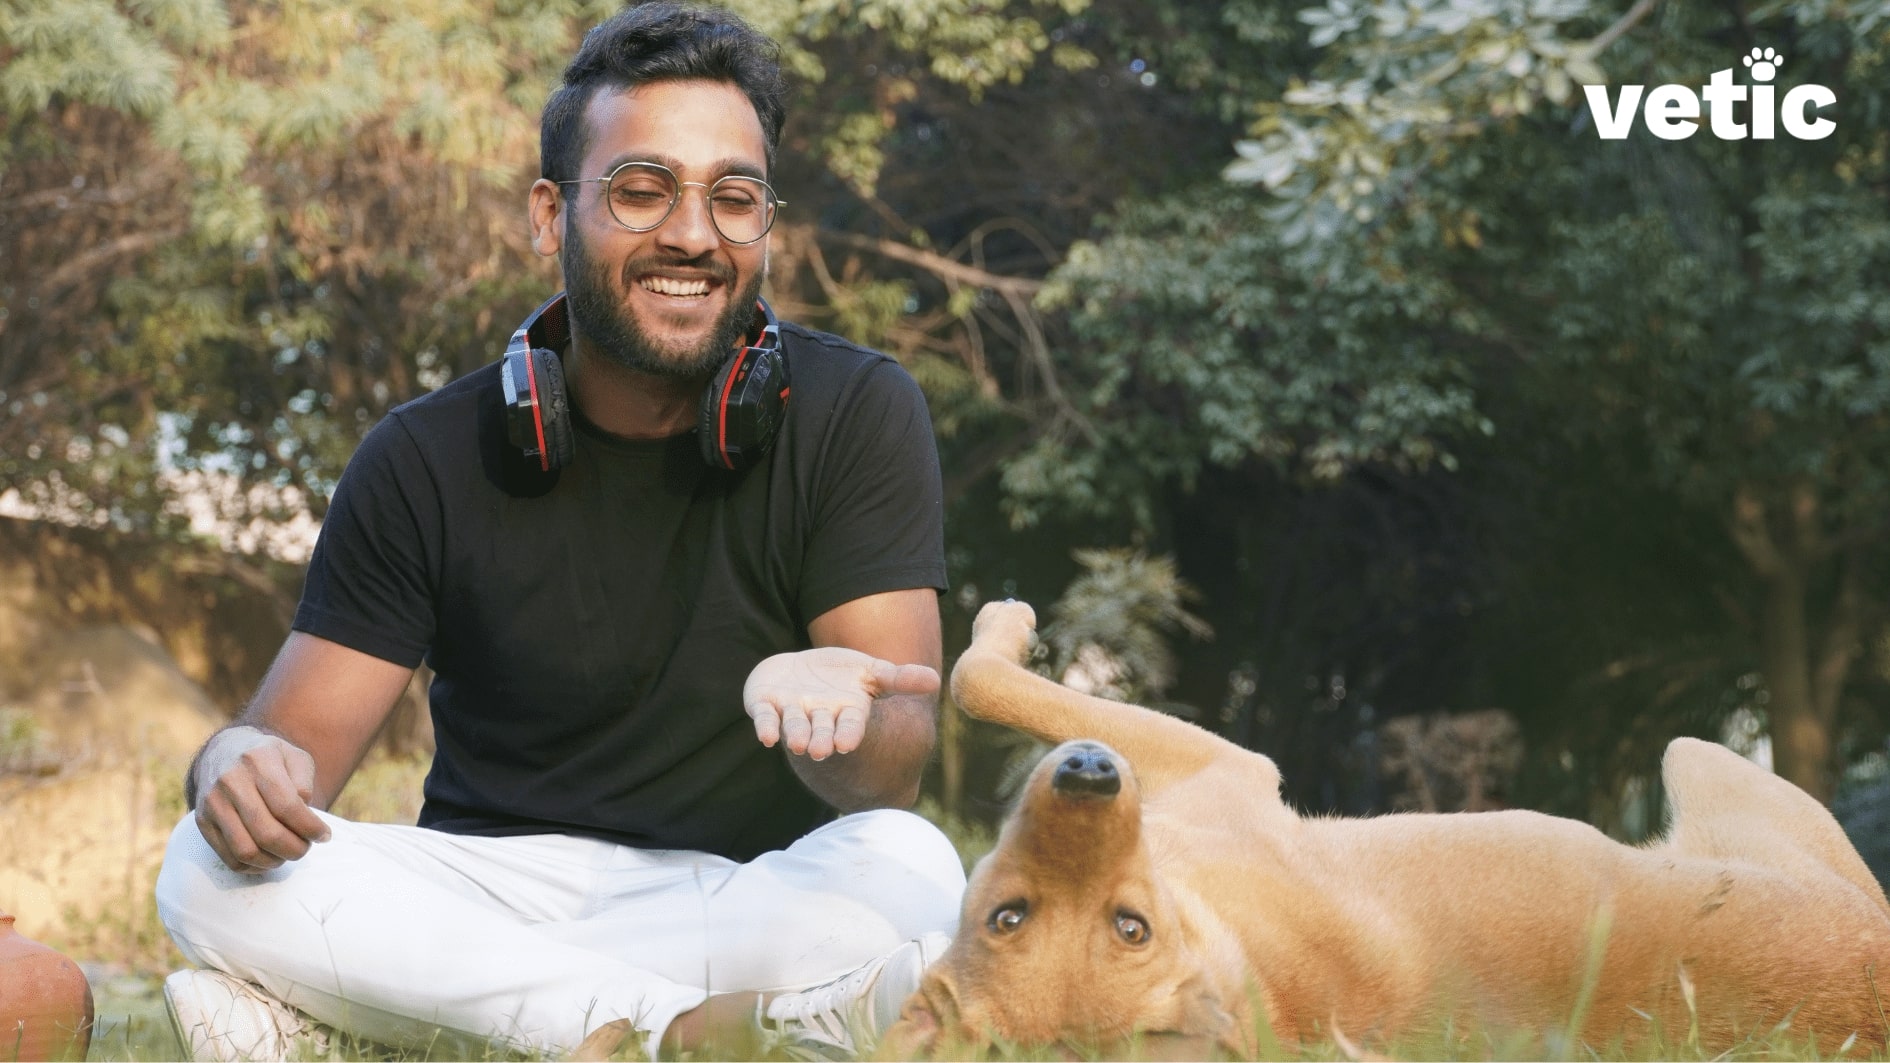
(936, 264)
(1038, 350)
(69, 274)
(1623, 24)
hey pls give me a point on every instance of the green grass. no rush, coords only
(127, 962)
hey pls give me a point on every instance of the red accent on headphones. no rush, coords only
(538, 425)
(740, 412)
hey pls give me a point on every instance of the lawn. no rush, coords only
(131, 1023)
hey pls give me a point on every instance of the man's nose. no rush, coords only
(689, 228)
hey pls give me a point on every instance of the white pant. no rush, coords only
(397, 934)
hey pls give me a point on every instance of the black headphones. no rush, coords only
(736, 421)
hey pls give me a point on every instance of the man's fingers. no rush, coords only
(301, 769)
(277, 814)
(218, 822)
(820, 733)
(285, 824)
(303, 819)
(796, 729)
(849, 729)
(767, 722)
(259, 839)
(892, 678)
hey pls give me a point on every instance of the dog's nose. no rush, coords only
(1087, 773)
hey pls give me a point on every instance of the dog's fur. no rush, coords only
(1755, 910)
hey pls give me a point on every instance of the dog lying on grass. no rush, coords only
(1152, 887)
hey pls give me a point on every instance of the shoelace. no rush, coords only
(819, 1011)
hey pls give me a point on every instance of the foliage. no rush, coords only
(1200, 341)
(309, 212)
(1442, 401)
(1433, 245)
(1114, 622)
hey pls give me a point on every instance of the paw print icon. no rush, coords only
(1764, 63)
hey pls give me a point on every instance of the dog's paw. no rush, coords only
(1006, 627)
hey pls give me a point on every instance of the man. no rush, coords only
(655, 681)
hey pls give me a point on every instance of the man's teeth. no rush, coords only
(669, 286)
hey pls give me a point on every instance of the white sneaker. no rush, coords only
(843, 1019)
(221, 1019)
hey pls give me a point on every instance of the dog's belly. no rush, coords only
(1503, 918)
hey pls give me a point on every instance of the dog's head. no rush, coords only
(1068, 934)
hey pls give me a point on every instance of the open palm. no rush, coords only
(818, 701)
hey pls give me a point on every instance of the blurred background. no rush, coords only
(1318, 372)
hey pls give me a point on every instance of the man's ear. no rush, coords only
(545, 211)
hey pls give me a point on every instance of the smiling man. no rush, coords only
(683, 624)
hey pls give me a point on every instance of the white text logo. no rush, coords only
(1672, 111)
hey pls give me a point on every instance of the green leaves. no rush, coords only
(84, 50)
(1202, 339)
(1402, 83)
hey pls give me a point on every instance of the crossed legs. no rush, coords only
(396, 934)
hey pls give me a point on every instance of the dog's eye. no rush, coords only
(1131, 928)
(1006, 919)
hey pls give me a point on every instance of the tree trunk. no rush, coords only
(1801, 733)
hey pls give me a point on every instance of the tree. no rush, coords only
(1714, 309)
(1440, 400)
(244, 231)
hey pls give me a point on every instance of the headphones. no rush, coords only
(736, 420)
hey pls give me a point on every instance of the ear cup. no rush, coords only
(742, 408)
(554, 408)
(537, 412)
(744, 405)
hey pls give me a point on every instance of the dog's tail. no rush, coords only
(1726, 807)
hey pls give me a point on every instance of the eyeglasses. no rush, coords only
(642, 196)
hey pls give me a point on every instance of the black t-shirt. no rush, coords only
(590, 633)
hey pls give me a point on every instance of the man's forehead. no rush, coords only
(686, 125)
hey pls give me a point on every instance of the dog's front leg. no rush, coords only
(990, 683)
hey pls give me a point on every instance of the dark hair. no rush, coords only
(660, 42)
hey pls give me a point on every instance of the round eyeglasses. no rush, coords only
(642, 196)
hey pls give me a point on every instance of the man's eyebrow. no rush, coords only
(732, 166)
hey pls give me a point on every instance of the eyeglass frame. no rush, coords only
(708, 198)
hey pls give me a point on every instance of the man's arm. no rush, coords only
(860, 726)
(255, 783)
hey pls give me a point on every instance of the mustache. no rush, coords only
(706, 262)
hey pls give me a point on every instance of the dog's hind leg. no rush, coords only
(1726, 807)
(989, 683)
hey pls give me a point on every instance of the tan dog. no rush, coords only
(1152, 884)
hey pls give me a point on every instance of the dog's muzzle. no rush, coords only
(1087, 772)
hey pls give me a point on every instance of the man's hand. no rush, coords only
(818, 700)
(253, 794)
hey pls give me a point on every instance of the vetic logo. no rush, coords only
(1672, 111)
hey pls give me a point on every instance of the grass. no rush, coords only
(125, 963)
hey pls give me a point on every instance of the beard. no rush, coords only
(592, 299)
